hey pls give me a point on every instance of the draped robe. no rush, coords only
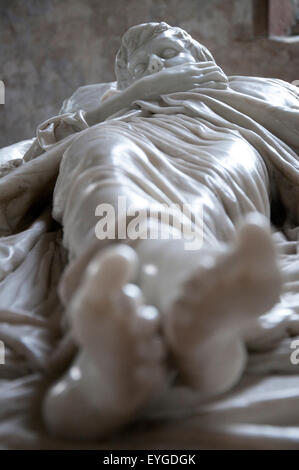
(234, 149)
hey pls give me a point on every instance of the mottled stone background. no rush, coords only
(51, 47)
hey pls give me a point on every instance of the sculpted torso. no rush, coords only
(143, 309)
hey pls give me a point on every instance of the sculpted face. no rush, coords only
(163, 51)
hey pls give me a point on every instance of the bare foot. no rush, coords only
(205, 325)
(120, 366)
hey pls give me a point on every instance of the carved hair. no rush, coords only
(140, 34)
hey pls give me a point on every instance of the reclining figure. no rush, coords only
(147, 306)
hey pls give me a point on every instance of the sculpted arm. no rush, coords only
(151, 87)
(181, 78)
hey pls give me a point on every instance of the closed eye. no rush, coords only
(140, 68)
(168, 53)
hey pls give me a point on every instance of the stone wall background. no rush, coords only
(48, 48)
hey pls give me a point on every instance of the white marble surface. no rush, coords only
(228, 154)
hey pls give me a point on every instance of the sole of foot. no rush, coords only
(121, 362)
(204, 327)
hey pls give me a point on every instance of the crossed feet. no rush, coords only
(124, 343)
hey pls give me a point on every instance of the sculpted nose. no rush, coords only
(155, 64)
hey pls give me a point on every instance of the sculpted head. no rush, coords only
(148, 48)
